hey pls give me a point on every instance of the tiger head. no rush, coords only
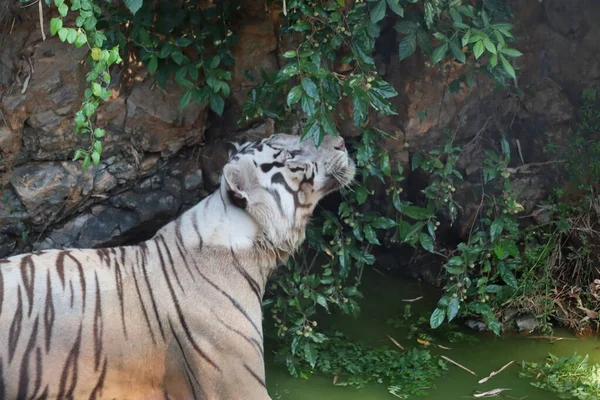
(278, 181)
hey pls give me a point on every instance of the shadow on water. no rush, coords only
(384, 299)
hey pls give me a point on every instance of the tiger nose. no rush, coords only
(340, 145)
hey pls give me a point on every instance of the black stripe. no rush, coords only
(137, 288)
(120, 291)
(81, 279)
(184, 258)
(195, 225)
(48, 313)
(269, 166)
(150, 291)
(180, 314)
(277, 198)
(60, 267)
(233, 301)
(251, 341)
(98, 326)
(100, 384)
(189, 371)
(24, 377)
(69, 373)
(28, 277)
(15, 327)
(162, 239)
(250, 280)
(258, 378)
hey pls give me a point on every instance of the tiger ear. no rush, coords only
(237, 184)
(232, 148)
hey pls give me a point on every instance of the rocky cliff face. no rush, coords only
(158, 160)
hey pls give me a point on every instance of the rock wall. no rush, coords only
(158, 160)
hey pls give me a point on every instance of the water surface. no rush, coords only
(384, 299)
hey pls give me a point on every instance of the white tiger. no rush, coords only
(178, 316)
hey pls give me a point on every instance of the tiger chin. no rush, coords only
(175, 317)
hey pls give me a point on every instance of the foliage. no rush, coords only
(325, 34)
(417, 326)
(353, 364)
(328, 68)
(570, 377)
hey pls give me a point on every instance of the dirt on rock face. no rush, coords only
(159, 160)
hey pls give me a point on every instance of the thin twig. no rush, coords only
(487, 378)
(41, 12)
(458, 365)
(395, 342)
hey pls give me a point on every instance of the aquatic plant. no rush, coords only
(570, 377)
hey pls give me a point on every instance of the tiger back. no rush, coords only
(175, 317)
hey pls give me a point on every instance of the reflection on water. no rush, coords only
(383, 299)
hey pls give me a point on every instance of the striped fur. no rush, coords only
(178, 316)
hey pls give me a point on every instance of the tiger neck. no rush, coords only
(218, 224)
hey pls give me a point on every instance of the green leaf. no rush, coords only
(78, 155)
(478, 49)
(328, 124)
(63, 10)
(496, 229)
(494, 60)
(370, 234)
(455, 15)
(385, 165)
(456, 50)
(62, 34)
(95, 158)
(418, 213)
(294, 95)
(466, 37)
(396, 8)
(308, 105)
(98, 147)
(383, 223)
(80, 40)
(406, 27)
(437, 318)
(507, 67)
(289, 54)
(456, 261)
(489, 45)
(426, 242)
(55, 25)
(165, 50)
(310, 88)
(507, 276)
(217, 104)
(185, 99)
(310, 353)
(177, 56)
(96, 89)
(99, 133)
(407, 46)
(454, 270)
(86, 162)
(508, 52)
(361, 194)
(377, 12)
(71, 36)
(152, 64)
(452, 309)
(439, 53)
(134, 5)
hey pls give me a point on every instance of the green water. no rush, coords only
(384, 299)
